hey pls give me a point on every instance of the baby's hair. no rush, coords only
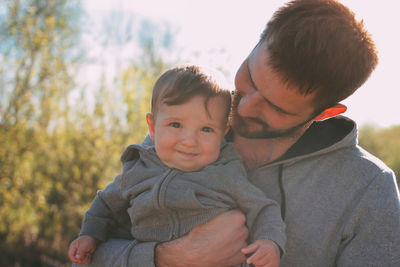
(179, 84)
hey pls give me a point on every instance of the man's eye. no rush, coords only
(175, 124)
(276, 109)
(207, 129)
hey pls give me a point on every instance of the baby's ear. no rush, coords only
(150, 125)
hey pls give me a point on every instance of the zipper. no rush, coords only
(161, 203)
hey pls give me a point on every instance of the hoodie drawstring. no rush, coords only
(282, 189)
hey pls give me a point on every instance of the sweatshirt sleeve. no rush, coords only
(263, 215)
(372, 234)
(108, 210)
(107, 219)
(122, 253)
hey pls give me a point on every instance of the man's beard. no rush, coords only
(261, 130)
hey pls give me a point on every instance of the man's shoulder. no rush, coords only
(372, 165)
(357, 156)
(358, 165)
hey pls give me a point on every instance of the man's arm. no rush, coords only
(372, 233)
(215, 243)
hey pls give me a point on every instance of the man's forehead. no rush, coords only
(271, 84)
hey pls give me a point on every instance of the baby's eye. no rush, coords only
(207, 129)
(175, 124)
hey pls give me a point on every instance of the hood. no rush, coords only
(132, 151)
(322, 137)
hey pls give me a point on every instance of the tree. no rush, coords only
(38, 59)
(384, 144)
(57, 151)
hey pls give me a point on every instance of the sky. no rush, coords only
(221, 33)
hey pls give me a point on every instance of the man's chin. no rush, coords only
(257, 131)
(252, 132)
(258, 134)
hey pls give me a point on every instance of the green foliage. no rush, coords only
(55, 151)
(384, 144)
(37, 54)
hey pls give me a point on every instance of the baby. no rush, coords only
(183, 174)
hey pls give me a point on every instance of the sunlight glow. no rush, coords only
(222, 33)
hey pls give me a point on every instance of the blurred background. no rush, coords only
(75, 85)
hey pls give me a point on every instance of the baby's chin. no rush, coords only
(189, 164)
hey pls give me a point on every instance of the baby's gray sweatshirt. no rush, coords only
(164, 204)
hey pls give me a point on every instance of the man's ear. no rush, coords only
(331, 112)
(150, 124)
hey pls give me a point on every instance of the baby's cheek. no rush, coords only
(162, 153)
(213, 154)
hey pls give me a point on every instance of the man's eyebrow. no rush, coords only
(266, 100)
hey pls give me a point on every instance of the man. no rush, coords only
(340, 204)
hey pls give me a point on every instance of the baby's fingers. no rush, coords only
(72, 252)
(250, 248)
(259, 258)
(86, 259)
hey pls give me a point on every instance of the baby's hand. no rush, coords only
(266, 253)
(81, 249)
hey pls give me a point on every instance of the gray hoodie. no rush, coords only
(340, 204)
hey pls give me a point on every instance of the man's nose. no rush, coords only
(248, 103)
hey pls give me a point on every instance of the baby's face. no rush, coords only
(185, 136)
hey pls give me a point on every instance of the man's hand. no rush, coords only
(215, 243)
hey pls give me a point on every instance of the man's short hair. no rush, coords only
(319, 46)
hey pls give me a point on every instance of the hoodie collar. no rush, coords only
(324, 135)
(321, 137)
